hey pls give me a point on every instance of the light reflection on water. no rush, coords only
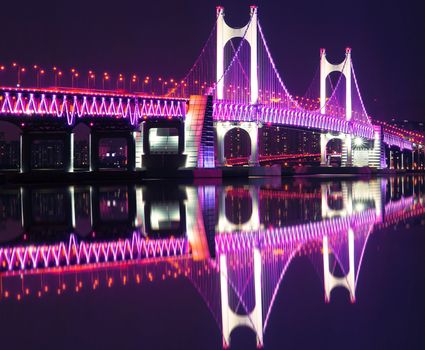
(234, 243)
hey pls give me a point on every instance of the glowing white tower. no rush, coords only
(327, 68)
(226, 33)
(345, 68)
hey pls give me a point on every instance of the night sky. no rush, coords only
(163, 38)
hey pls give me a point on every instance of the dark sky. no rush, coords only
(165, 37)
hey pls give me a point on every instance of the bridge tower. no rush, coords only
(230, 319)
(226, 33)
(327, 68)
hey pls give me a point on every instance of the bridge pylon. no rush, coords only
(226, 33)
(327, 68)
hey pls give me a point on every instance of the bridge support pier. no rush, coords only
(376, 158)
(324, 140)
(347, 151)
(222, 128)
(356, 151)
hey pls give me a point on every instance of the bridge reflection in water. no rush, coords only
(234, 243)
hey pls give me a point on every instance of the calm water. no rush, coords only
(296, 264)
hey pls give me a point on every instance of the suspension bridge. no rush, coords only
(234, 83)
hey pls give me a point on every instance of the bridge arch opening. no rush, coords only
(334, 152)
(237, 145)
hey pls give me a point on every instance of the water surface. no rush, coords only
(279, 264)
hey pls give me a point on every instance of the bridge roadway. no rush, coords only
(132, 116)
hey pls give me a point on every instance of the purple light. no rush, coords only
(82, 253)
(76, 105)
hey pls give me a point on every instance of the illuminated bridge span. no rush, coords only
(83, 253)
(71, 105)
(227, 87)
